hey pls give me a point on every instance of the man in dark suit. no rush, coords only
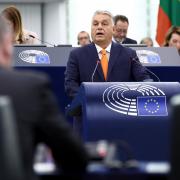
(86, 64)
(121, 24)
(37, 115)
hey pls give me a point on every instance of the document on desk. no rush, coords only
(156, 167)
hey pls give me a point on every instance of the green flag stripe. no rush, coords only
(175, 18)
(165, 5)
(172, 9)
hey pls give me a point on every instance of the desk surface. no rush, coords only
(58, 56)
(150, 171)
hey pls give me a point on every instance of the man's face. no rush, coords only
(120, 30)
(175, 41)
(148, 42)
(102, 30)
(83, 39)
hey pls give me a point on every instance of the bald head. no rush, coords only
(6, 46)
(3, 28)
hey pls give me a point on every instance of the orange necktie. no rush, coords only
(104, 63)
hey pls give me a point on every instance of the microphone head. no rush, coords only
(30, 35)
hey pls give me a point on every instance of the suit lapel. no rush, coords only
(113, 57)
(94, 58)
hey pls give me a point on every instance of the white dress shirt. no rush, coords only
(108, 49)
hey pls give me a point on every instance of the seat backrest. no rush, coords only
(175, 139)
(10, 157)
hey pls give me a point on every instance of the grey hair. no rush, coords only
(105, 12)
(4, 28)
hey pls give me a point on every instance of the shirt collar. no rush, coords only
(108, 49)
(114, 40)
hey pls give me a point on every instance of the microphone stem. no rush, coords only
(92, 77)
(136, 59)
(46, 42)
(42, 41)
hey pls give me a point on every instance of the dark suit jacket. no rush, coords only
(129, 41)
(39, 120)
(124, 66)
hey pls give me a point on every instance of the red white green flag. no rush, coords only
(168, 15)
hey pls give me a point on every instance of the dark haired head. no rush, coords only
(120, 18)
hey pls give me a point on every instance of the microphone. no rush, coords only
(92, 77)
(30, 35)
(148, 70)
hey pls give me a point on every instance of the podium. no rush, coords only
(135, 112)
(53, 60)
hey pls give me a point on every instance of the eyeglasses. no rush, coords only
(81, 38)
(121, 30)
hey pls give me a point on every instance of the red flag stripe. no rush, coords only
(164, 24)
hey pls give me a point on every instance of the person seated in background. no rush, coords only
(121, 24)
(14, 19)
(147, 41)
(37, 115)
(172, 38)
(102, 60)
(83, 38)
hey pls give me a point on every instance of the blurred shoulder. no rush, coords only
(34, 76)
(25, 76)
(129, 41)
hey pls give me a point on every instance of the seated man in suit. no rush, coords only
(102, 60)
(121, 24)
(37, 115)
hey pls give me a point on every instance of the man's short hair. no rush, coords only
(120, 18)
(105, 13)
